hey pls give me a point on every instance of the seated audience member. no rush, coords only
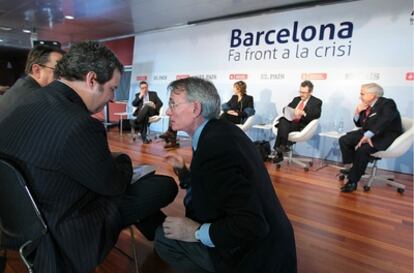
(240, 106)
(379, 125)
(147, 104)
(82, 190)
(40, 65)
(306, 108)
(233, 220)
(170, 137)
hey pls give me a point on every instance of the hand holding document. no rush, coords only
(289, 113)
(141, 171)
(150, 103)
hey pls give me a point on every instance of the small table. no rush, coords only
(334, 135)
(121, 117)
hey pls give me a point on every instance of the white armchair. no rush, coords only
(250, 121)
(299, 136)
(399, 147)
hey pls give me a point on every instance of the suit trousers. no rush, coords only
(185, 256)
(142, 201)
(142, 118)
(359, 157)
(283, 129)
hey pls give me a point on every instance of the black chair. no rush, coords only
(21, 223)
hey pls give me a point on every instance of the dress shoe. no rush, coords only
(146, 141)
(278, 158)
(283, 149)
(349, 187)
(345, 171)
(171, 145)
(165, 135)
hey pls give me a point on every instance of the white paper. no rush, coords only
(289, 113)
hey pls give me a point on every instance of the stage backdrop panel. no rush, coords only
(338, 47)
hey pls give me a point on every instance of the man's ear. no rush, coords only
(36, 71)
(90, 79)
(197, 108)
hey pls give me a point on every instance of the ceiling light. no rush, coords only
(26, 31)
(5, 28)
(1, 40)
(69, 17)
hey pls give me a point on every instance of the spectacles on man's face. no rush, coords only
(43, 65)
(172, 105)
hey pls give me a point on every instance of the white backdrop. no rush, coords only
(338, 47)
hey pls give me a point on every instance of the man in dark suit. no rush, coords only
(40, 65)
(147, 104)
(82, 190)
(307, 108)
(379, 125)
(234, 221)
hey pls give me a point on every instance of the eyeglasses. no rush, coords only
(172, 105)
(304, 92)
(42, 65)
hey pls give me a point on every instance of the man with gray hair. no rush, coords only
(379, 124)
(234, 221)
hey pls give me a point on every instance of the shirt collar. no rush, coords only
(197, 133)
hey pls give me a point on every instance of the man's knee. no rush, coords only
(162, 245)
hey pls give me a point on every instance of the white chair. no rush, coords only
(250, 121)
(299, 136)
(151, 120)
(398, 147)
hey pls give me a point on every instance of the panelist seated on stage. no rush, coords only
(147, 104)
(305, 108)
(240, 106)
(379, 125)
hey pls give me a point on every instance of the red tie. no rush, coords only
(367, 112)
(300, 107)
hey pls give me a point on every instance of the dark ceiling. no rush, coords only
(104, 19)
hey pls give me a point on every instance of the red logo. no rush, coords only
(142, 78)
(238, 77)
(182, 76)
(409, 76)
(314, 76)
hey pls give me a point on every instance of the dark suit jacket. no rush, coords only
(312, 109)
(75, 177)
(138, 102)
(232, 190)
(384, 121)
(19, 90)
(239, 107)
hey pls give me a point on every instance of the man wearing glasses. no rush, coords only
(147, 104)
(233, 220)
(40, 66)
(306, 108)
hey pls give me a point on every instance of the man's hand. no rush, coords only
(299, 113)
(360, 107)
(180, 228)
(176, 161)
(232, 112)
(363, 140)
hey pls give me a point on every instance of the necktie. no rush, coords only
(300, 107)
(367, 112)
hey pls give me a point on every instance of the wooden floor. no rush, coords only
(361, 232)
